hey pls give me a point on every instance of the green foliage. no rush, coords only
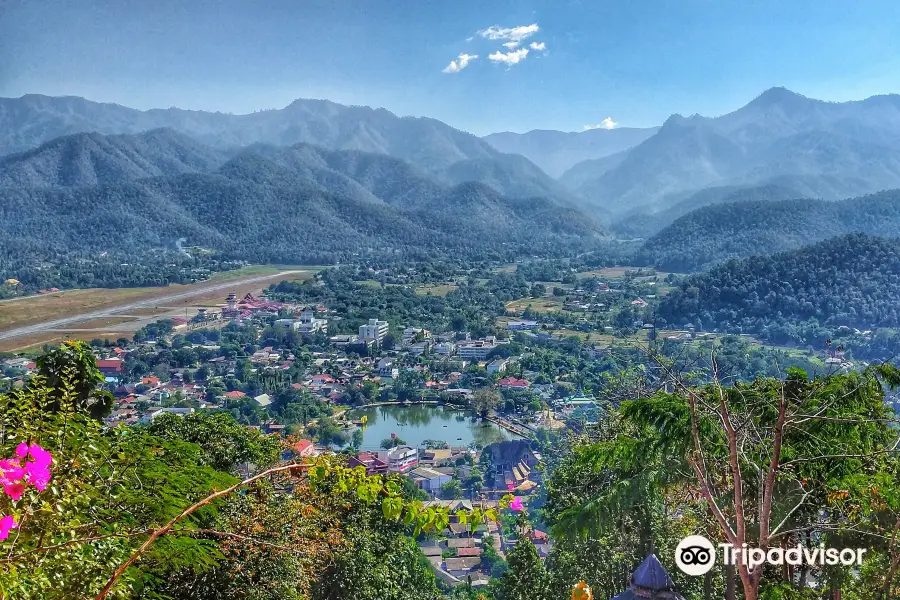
(73, 363)
(526, 578)
(225, 443)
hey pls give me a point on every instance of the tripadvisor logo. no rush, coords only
(696, 555)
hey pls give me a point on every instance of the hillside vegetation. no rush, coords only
(715, 233)
(851, 280)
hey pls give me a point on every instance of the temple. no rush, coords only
(650, 581)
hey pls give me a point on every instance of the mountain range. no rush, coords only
(450, 155)
(814, 148)
(556, 152)
(779, 146)
(93, 192)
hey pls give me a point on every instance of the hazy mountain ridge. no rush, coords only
(557, 151)
(824, 149)
(427, 143)
(715, 233)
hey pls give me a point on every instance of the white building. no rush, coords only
(386, 368)
(497, 366)
(400, 459)
(521, 325)
(444, 348)
(429, 479)
(374, 330)
(477, 350)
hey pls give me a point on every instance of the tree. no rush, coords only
(391, 442)
(356, 439)
(484, 400)
(526, 578)
(452, 490)
(225, 443)
(73, 364)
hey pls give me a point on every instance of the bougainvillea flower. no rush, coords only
(10, 471)
(22, 450)
(516, 504)
(510, 486)
(41, 457)
(6, 523)
(14, 490)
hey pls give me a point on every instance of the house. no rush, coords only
(457, 543)
(400, 459)
(374, 330)
(445, 348)
(461, 567)
(235, 395)
(150, 381)
(511, 383)
(110, 367)
(371, 463)
(464, 552)
(263, 400)
(640, 302)
(428, 479)
(172, 411)
(304, 449)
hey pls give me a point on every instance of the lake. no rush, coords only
(419, 422)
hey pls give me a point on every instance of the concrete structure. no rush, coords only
(386, 368)
(497, 366)
(374, 330)
(521, 325)
(477, 350)
(400, 459)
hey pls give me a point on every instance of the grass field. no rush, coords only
(539, 305)
(436, 290)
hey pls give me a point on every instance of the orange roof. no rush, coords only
(235, 394)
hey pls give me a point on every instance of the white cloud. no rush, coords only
(462, 61)
(539, 46)
(509, 58)
(606, 123)
(512, 34)
(511, 45)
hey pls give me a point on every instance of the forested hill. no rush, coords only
(851, 280)
(261, 211)
(92, 158)
(715, 233)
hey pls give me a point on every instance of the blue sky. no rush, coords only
(636, 62)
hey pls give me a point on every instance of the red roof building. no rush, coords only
(235, 394)
(304, 449)
(511, 383)
(110, 366)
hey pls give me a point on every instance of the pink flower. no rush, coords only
(41, 457)
(516, 504)
(10, 471)
(6, 523)
(14, 490)
(22, 450)
(510, 486)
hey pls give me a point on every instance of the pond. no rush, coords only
(419, 422)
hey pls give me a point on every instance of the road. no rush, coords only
(124, 308)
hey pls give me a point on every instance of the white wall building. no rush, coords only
(400, 459)
(374, 330)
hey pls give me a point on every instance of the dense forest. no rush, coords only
(850, 281)
(716, 233)
(89, 193)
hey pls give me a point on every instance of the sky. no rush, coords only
(481, 66)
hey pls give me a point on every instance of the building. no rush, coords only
(429, 480)
(180, 412)
(110, 367)
(307, 324)
(412, 335)
(263, 400)
(512, 383)
(305, 449)
(374, 330)
(497, 366)
(650, 580)
(521, 325)
(386, 368)
(371, 463)
(400, 459)
(445, 348)
(477, 350)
